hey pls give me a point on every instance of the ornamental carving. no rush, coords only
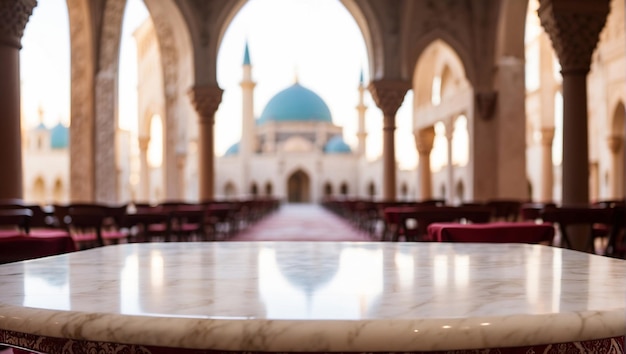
(81, 128)
(169, 56)
(389, 94)
(14, 15)
(170, 66)
(46, 344)
(111, 34)
(485, 102)
(105, 102)
(105, 142)
(574, 28)
(424, 139)
(206, 100)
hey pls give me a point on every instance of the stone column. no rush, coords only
(615, 143)
(181, 162)
(547, 168)
(206, 99)
(424, 139)
(574, 27)
(144, 169)
(388, 96)
(450, 190)
(14, 15)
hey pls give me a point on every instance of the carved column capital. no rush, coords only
(181, 160)
(14, 15)
(144, 142)
(389, 94)
(205, 100)
(574, 27)
(424, 139)
(547, 135)
(615, 143)
(485, 102)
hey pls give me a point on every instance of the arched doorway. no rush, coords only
(298, 187)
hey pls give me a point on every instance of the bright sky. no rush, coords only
(318, 39)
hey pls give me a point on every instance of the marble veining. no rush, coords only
(318, 296)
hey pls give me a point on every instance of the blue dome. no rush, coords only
(336, 145)
(296, 103)
(232, 150)
(59, 137)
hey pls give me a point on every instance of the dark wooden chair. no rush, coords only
(505, 209)
(567, 216)
(15, 221)
(412, 222)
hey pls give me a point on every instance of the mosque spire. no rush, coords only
(41, 114)
(361, 80)
(296, 78)
(246, 55)
(361, 109)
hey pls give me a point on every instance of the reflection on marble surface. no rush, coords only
(415, 295)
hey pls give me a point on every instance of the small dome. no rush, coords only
(232, 150)
(59, 137)
(296, 103)
(336, 145)
(40, 127)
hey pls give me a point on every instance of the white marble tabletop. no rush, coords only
(318, 296)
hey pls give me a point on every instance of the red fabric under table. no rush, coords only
(17, 246)
(502, 232)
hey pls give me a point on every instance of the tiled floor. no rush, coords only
(301, 222)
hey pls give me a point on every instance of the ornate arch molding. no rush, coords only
(618, 117)
(433, 60)
(511, 29)
(424, 41)
(82, 46)
(372, 35)
(176, 62)
(106, 101)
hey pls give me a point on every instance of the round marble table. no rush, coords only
(314, 297)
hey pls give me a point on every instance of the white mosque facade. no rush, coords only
(295, 152)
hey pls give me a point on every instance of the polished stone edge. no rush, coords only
(613, 345)
(316, 336)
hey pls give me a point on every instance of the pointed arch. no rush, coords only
(299, 187)
(254, 190)
(58, 191)
(371, 190)
(328, 189)
(177, 65)
(344, 189)
(438, 37)
(39, 190)
(438, 61)
(618, 124)
(618, 153)
(230, 191)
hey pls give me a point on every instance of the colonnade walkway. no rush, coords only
(301, 222)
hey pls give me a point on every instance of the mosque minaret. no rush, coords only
(248, 140)
(361, 108)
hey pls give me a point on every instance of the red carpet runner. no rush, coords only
(301, 222)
